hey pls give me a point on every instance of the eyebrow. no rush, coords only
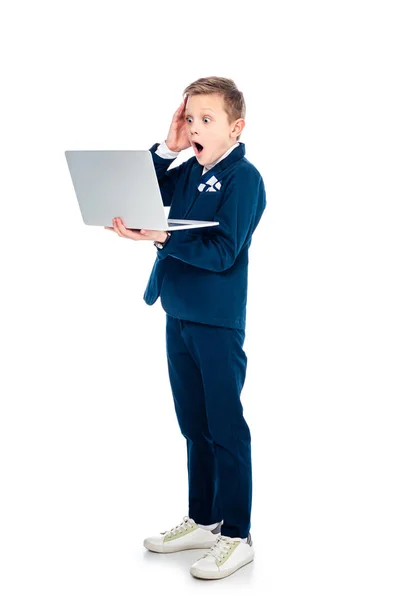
(187, 112)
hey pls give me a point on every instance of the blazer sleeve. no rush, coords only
(238, 216)
(166, 178)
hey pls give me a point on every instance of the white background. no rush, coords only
(92, 458)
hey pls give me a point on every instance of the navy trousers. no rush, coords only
(207, 370)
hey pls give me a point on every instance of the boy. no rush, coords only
(201, 278)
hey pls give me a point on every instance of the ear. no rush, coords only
(238, 127)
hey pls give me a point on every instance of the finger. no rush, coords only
(181, 106)
(121, 227)
(130, 234)
(117, 227)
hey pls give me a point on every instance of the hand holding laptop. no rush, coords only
(136, 234)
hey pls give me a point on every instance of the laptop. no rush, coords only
(121, 183)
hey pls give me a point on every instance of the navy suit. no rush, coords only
(201, 278)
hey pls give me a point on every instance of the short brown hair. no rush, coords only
(234, 103)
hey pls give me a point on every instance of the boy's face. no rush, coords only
(207, 124)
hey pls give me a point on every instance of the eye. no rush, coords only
(191, 117)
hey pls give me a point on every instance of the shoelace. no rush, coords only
(220, 548)
(185, 524)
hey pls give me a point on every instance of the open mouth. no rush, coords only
(198, 148)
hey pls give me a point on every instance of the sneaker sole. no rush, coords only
(168, 549)
(218, 574)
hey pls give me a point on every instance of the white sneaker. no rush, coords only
(186, 536)
(224, 558)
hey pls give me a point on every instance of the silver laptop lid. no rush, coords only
(117, 183)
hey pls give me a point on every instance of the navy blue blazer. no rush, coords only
(201, 274)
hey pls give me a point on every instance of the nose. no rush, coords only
(192, 127)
